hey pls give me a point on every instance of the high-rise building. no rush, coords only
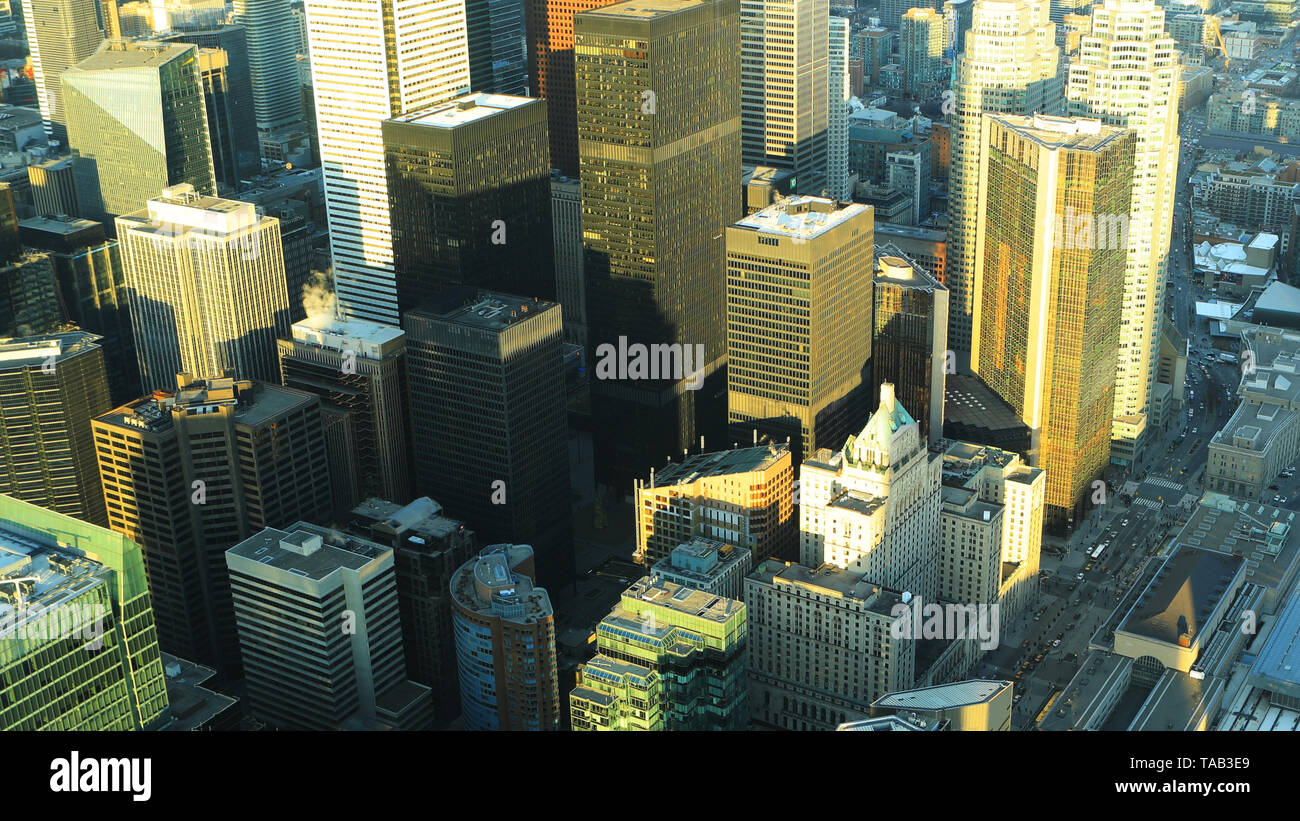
(60, 34)
(92, 287)
(1127, 74)
(1011, 65)
(228, 93)
(876, 44)
(920, 45)
(358, 369)
(909, 346)
(54, 188)
(488, 419)
(797, 306)
(505, 642)
(695, 642)
(498, 62)
(838, 91)
(707, 565)
(137, 124)
(272, 61)
(873, 505)
(428, 548)
(742, 497)
(191, 473)
(892, 11)
(469, 186)
(549, 24)
(319, 632)
(957, 15)
(50, 387)
(784, 80)
(566, 238)
(206, 279)
(1052, 267)
(77, 641)
(654, 219)
(29, 296)
(357, 83)
(616, 695)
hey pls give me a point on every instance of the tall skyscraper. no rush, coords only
(505, 642)
(784, 79)
(838, 93)
(206, 278)
(797, 303)
(137, 124)
(566, 238)
(872, 505)
(654, 218)
(1127, 74)
(358, 81)
(549, 24)
(920, 45)
(60, 34)
(742, 497)
(428, 548)
(79, 579)
(1052, 259)
(469, 186)
(498, 62)
(190, 473)
(1010, 66)
(892, 11)
(695, 642)
(488, 419)
(92, 287)
(272, 61)
(909, 346)
(319, 632)
(50, 387)
(358, 369)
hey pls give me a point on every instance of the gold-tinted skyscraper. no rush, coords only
(658, 101)
(798, 306)
(1054, 192)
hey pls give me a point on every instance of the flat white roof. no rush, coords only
(464, 110)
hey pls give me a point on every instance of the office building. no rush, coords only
(908, 172)
(505, 642)
(920, 46)
(873, 505)
(69, 578)
(566, 239)
(470, 191)
(654, 219)
(839, 92)
(50, 387)
(957, 16)
(1127, 75)
(319, 633)
(60, 34)
(784, 82)
(1011, 65)
(892, 11)
(54, 188)
(707, 565)
(797, 304)
(92, 288)
(428, 548)
(616, 695)
(696, 644)
(206, 279)
(355, 87)
(190, 473)
(909, 346)
(978, 705)
(29, 296)
(137, 124)
(273, 62)
(358, 369)
(489, 421)
(550, 72)
(801, 679)
(742, 497)
(498, 62)
(1052, 276)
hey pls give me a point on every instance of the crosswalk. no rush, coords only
(1148, 504)
(1166, 483)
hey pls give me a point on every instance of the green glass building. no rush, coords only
(696, 644)
(78, 648)
(616, 695)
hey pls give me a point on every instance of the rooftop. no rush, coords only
(643, 9)
(486, 310)
(719, 463)
(124, 54)
(944, 696)
(307, 550)
(34, 351)
(684, 600)
(50, 576)
(1277, 667)
(464, 110)
(1062, 133)
(802, 217)
(1183, 594)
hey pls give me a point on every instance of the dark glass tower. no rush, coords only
(497, 63)
(469, 187)
(910, 337)
(658, 105)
